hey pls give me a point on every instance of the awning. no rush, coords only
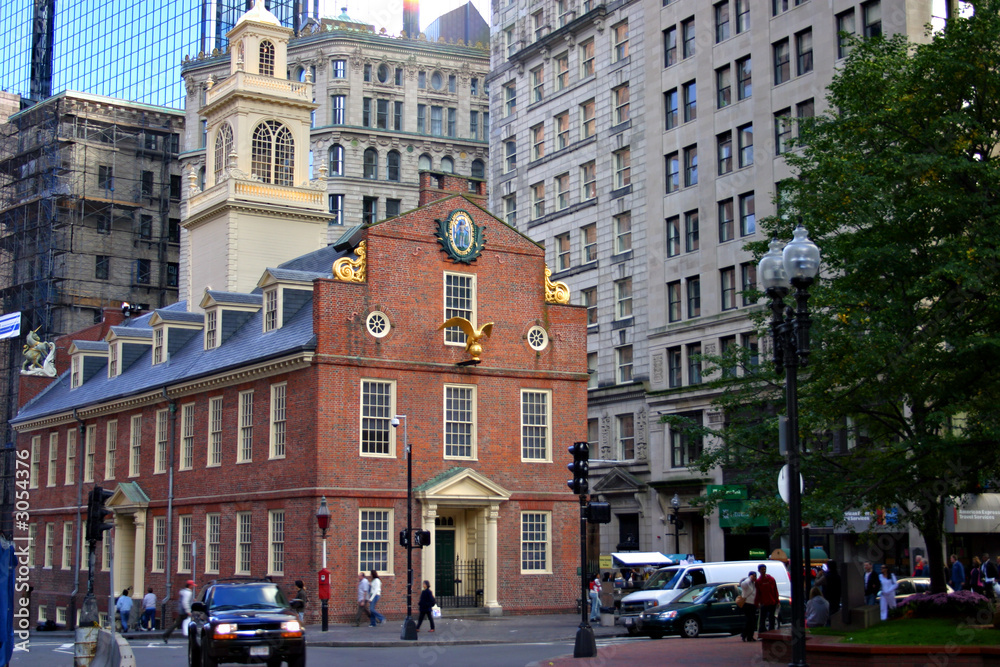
(632, 558)
(979, 513)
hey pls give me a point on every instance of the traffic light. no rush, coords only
(598, 512)
(97, 512)
(579, 467)
(404, 538)
(421, 538)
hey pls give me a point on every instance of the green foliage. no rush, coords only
(899, 185)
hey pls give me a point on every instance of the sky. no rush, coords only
(388, 14)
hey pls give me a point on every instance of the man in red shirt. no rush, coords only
(767, 598)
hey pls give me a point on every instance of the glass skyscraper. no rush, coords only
(130, 49)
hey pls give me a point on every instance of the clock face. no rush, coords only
(460, 237)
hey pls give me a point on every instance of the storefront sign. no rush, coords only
(727, 491)
(861, 521)
(979, 514)
(605, 561)
(735, 514)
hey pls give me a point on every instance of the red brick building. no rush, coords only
(220, 422)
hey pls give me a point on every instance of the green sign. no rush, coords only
(754, 554)
(727, 491)
(734, 514)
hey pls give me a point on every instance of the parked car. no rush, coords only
(244, 621)
(908, 586)
(667, 583)
(701, 609)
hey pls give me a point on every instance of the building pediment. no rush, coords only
(617, 480)
(128, 495)
(461, 484)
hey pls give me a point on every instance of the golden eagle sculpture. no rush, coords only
(472, 335)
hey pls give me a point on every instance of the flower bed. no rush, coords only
(961, 605)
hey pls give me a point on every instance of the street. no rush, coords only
(617, 651)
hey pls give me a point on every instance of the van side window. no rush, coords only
(697, 577)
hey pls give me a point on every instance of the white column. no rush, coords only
(492, 513)
(139, 553)
(428, 558)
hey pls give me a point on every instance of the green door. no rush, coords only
(444, 562)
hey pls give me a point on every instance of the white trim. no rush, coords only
(547, 569)
(390, 410)
(547, 426)
(474, 422)
(389, 541)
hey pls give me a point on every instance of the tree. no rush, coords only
(899, 185)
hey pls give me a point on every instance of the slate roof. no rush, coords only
(319, 261)
(91, 345)
(236, 298)
(303, 276)
(179, 316)
(248, 345)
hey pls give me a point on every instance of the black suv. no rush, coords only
(244, 622)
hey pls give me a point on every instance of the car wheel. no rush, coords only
(194, 655)
(690, 627)
(632, 631)
(207, 660)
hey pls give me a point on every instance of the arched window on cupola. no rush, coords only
(266, 58)
(273, 153)
(223, 147)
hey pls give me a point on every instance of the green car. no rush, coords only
(707, 608)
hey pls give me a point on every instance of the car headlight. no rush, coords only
(651, 603)
(667, 615)
(225, 629)
(291, 626)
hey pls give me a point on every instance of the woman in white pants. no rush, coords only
(888, 597)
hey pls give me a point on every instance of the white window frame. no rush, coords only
(113, 360)
(135, 447)
(545, 428)
(110, 448)
(159, 345)
(49, 546)
(543, 517)
(185, 536)
(244, 444)
(53, 468)
(244, 543)
(378, 414)
(89, 454)
(162, 434)
(588, 181)
(454, 335)
(623, 232)
(213, 542)
(187, 437)
(211, 328)
(450, 419)
(278, 419)
(365, 514)
(35, 461)
(215, 415)
(67, 545)
(70, 476)
(619, 42)
(276, 542)
(159, 544)
(272, 309)
(76, 365)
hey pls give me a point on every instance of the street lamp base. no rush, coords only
(409, 632)
(586, 645)
(325, 619)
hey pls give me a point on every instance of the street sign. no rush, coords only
(783, 483)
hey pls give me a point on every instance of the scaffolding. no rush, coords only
(90, 192)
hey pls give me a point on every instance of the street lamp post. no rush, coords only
(797, 263)
(323, 521)
(675, 502)
(409, 631)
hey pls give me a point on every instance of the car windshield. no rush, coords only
(697, 594)
(664, 579)
(248, 597)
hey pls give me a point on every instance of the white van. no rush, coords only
(667, 583)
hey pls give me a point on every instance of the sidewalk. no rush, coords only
(464, 630)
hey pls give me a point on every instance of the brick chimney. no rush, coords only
(437, 185)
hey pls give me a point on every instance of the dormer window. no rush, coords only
(76, 375)
(271, 310)
(158, 354)
(266, 58)
(211, 327)
(113, 360)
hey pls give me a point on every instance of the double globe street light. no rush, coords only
(797, 263)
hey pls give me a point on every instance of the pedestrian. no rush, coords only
(817, 609)
(832, 586)
(748, 591)
(364, 588)
(124, 605)
(767, 598)
(957, 573)
(871, 585)
(595, 599)
(183, 609)
(888, 584)
(976, 584)
(148, 620)
(374, 594)
(426, 606)
(918, 569)
(989, 576)
(300, 599)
